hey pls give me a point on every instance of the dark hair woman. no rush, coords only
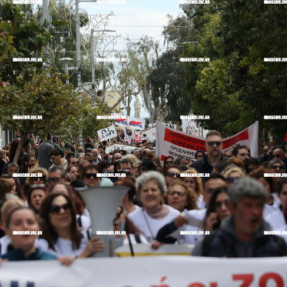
(60, 228)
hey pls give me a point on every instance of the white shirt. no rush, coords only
(150, 226)
(63, 247)
(274, 207)
(277, 222)
(200, 203)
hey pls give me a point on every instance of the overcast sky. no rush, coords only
(135, 19)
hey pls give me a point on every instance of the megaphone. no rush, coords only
(102, 203)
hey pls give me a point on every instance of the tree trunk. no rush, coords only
(19, 148)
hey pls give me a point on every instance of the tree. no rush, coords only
(45, 96)
(22, 31)
(237, 87)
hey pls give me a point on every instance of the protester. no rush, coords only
(171, 174)
(214, 153)
(36, 195)
(60, 233)
(180, 196)
(273, 202)
(242, 233)
(217, 209)
(278, 218)
(23, 218)
(154, 214)
(195, 183)
(44, 150)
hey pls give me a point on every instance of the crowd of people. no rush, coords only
(236, 203)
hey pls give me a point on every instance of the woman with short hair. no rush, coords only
(154, 214)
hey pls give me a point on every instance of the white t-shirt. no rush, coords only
(277, 222)
(150, 226)
(63, 247)
(269, 209)
(200, 203)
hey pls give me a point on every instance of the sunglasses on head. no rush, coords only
(173, 174)
(178, 193)
(90, 175)
(214, 143)
(57, 208)
(53, 179)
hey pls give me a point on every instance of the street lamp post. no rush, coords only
(78, 52)
(93, 64)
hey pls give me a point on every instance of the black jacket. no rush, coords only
(203, 166)
(225, 243)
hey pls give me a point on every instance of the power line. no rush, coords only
(149, 26)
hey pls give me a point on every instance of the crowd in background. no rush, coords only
(167, 202)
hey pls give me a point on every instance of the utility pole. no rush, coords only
(46, 17)
(93, 70)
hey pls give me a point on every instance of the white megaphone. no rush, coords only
(102, 203)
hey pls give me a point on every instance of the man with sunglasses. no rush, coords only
(90, 177)
(279, 153)
(214, 154)
(276, 166)
(56, 174)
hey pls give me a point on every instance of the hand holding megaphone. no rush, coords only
(94, 245)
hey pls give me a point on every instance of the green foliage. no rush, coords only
(24, 38)
(45, 96)
(237, 87)
(167, 82)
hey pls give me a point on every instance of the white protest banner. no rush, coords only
(107, 133)
(149, 133)
(158, 271)
(174, 143)
(120, 147)
(189, 126)
(121, 122)
(136, 123)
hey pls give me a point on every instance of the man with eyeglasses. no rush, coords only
(214, 154)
